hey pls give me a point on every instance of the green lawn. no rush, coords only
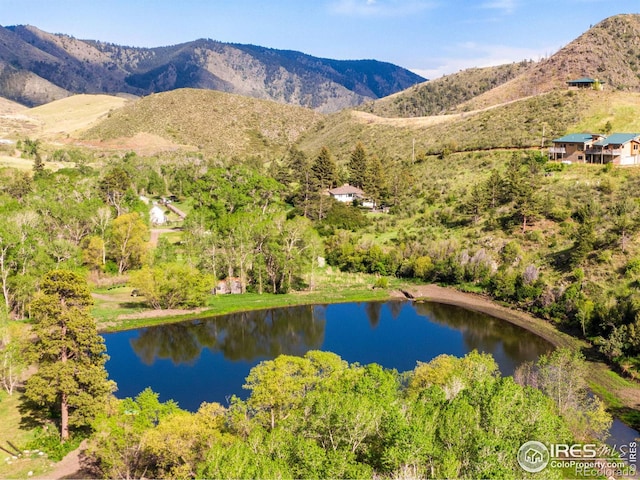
(12, 433)
(333, 287)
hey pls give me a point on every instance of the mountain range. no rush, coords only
(37, 67)
(518, 105)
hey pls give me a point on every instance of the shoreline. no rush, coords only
(621, 396)
(479, 303)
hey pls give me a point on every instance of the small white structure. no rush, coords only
(157, 216)
(346, 193)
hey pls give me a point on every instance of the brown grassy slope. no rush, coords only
(514, 125)
(74, 114)
(444, 94)
(217, 123)
(609, 51)
(7, 107)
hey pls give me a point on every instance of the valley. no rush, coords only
(456, 201)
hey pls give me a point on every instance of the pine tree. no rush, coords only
(358, 166)
(71, 380)
(375, 184)
(324, 170)
(301, 173)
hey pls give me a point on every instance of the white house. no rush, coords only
(157, 216)
(346, 193)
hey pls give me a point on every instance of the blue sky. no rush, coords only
(430, 37)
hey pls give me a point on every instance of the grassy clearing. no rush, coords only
(12, 432)
(75, 113)
(111, 305)
(618, 393)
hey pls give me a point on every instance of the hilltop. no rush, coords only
(474, 110)
(220, 124)
(37, 67)
(443, 95)
(608, 51)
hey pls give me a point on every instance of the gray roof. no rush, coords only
(345, 190)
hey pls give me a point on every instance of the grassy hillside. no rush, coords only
(514, 125)
(609, 51)
(71, 115)
(7, 107)
(216, 123)
(444, 94)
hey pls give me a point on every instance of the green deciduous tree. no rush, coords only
(118, 444)
(114, 186)
(128, 241)
(172, 285)
(561, 375)
(12, 359)
(70, 380)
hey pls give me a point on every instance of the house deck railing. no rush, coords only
(557, 150)
(604, 151)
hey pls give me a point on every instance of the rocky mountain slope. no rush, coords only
(37, 67)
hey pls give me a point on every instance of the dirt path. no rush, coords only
(69, 467)
(155, 234)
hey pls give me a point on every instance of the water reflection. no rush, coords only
(239, 336)
(485, 333)
(208, 359)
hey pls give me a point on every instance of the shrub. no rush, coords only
(381, 282)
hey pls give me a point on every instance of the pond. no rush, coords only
(207, 360)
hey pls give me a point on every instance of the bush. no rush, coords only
(48, 440)
(381, 282)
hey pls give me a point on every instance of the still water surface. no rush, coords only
(208, 359)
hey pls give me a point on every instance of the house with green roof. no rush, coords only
(585, 82)
(617, 148)
(571, 148)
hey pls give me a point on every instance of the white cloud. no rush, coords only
(505, 6)
(473, 55)
(379, 8)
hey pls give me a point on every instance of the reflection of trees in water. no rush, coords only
(239, 336)
(373, 311)
(395, 307)
(484, 332)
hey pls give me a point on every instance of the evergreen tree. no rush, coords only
(375, 184)
(358, 166)
(300, 167)
(71, 380)
(324, 170)
(38, 166)
(324, 174)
